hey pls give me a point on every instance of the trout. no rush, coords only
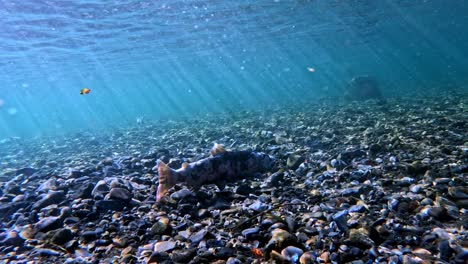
(221, 166)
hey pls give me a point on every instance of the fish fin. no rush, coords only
(185, 165)
(167, 179)
(217, 149)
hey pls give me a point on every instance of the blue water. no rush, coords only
(166, 59)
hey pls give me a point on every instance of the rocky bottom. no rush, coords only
(366, 182)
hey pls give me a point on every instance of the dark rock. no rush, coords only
(181, 194)
(50, 198)
(462, 257)
(62, 236)
(183, 256)
(48, 223)
(224, 253)
(12, 188)
(198, 236)
(112, 205)
(120, 194)
(359, 176)
(355, 191)
(294, 160)
(244, 189)
(318, 215)
(12, 239)
(458, 192)
(71, 245)
(360, 238)
(73, 174)
(348, 155)
(26, 171)
(362, 87)
(250, 233)
(374, 149)
(88, 236)
(214, 243)
(220, 205)
(71, 220)
(50, 184)
(280, 239)
(85, 191)
(415, 168)
(99, 190)
(463, 203)
(291, 223)
(341, 221)
(438, 212)
(107, 161)
(161, 226)
(274, 179)
(160, 257)
(10, 208)
(174, 163)
(148, 163)
(445, 250)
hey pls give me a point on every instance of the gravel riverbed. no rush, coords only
(361, 182)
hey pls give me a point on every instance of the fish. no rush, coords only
(221, 166)
(85, 91)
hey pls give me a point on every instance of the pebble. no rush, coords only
(250, 233)
(91, 235)
(198, 236)
(100, 188)
(294, 161)
(109, 205)
(119, 194)
(164, 246)
(45, 252)
(258, 206)
(62, 236)
(307, 258)
(27, 171)
(292, 254)
(183, 256)
(12, 239)
(181, 194)
(49, 199)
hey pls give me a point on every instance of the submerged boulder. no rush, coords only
(362, 87)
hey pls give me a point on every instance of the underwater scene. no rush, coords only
(228, 132)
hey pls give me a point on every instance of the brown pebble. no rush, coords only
(307, 258)
(325, 256)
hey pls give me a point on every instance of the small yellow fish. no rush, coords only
(85, 91)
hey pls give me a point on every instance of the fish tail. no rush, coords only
(167, 179)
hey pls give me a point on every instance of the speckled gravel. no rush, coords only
(363, 182)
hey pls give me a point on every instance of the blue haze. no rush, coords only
(166, 59)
